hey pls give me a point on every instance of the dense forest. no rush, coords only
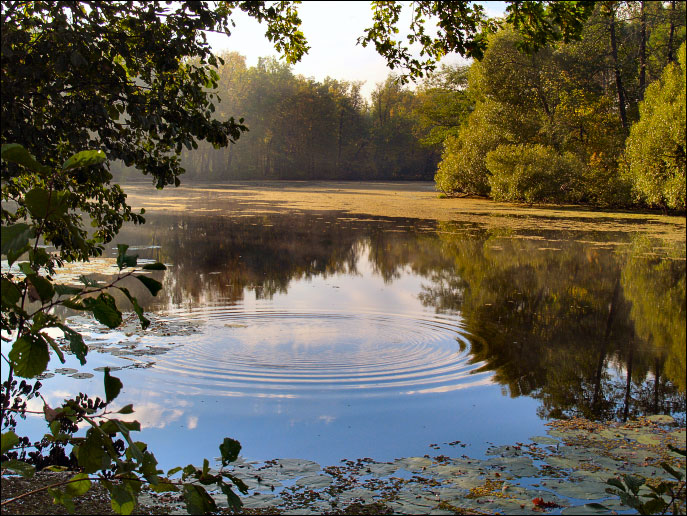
(599, 121)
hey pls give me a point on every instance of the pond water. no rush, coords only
(325, 336)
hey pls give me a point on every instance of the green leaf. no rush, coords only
(25, 267)
(91, 454)
(65, 290)
(124, 260)
(62, 498)
(10, 293)
(633, 482)
(13, 256)
(136, 450)
(42, 203)
(655, 506)
(198, 501)
(157, 266)
(145, 322)
(677, 450)
(43, 287)
(596, 506)
(131, 426)
(16, 153)
(133, 449)
(112, 386)
(105, 310)
(126, 409)
(629, 500)
(55, 348)
(74, 304)
(29, 356)
(229, 449)
(57, 469)
(24, 469)
(676, 474)
(9, 439)
(84, 159)
(232, 498)
(76, 343)
(152, 285)
(164, 486)
(15, 237)
(616, 483)
(149, 468)
(122, 501)
(79, 485)
(173, 471)
(237, 482)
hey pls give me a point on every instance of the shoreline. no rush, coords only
(396, 200)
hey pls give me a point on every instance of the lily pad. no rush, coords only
(413, 463)
(314, 481)
(661, 419)
(649, 439)
(542, 439)
(82, 376)
(584, 490)
(382, 469)
(66, 370)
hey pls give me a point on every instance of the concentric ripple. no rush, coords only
(293, 354)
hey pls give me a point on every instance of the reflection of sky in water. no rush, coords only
(315, 373)
(361, 357)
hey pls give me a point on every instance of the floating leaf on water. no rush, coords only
(382, 469)
(102, 368)
(661, 419)
(66, 370)
(413, 463)
(648, 439)
(542, 439)
(82, 376)
(314, 481)
(584, 490)
(45, 376)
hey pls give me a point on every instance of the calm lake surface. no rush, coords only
(324, 336)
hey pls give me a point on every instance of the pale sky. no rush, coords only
(331, 29)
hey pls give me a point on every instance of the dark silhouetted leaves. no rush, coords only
(29, 355)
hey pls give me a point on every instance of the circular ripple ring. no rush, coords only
(271, 353)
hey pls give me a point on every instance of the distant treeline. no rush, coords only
(598, 121)
(300, 128)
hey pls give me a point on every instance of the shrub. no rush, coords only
(655, 149)
(533, 173)
(462, 168)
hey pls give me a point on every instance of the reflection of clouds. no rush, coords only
(450, 388)
(192, 422)
(327, 419)
(152, 415)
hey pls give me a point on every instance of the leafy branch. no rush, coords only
(122, 464)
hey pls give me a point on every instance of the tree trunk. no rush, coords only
(338, 155)
(628, 384)
(642, 52)
(616, 68)
(671, 56)
(602, 353)
(657, 378)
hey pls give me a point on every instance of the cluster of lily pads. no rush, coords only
(563, 472)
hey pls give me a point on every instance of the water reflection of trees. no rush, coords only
(587, 329)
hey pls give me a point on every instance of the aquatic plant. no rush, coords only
(108, 453)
